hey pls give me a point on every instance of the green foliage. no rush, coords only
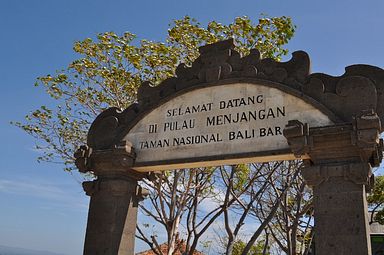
(258, 248)
(376, 199)
(112, 67)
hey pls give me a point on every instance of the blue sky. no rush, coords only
(41, 207)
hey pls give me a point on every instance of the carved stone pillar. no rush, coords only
(341, 220)
(339, 170)
(115, 194)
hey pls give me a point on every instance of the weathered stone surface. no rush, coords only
(112, 218)
(360, 88)
(226, 121)
(339, 170)
(339, 157)
(358, 141)
(115, 194)
(341, 220)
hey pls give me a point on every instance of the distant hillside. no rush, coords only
(5, 250)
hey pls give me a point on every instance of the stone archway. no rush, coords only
(228, 109)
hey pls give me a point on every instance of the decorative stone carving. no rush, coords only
(117, 160)
(360, 88)
(338, 157)
(115, 187)
(358, 141)
(90, 187)
(82, 155)
(339, 171)
(115, 195)
(359, 173)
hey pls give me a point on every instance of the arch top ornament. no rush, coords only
(207, 100)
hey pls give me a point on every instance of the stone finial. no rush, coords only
(367, 137)
(82, 155)
(358, 141)
(118, 160)
(296, 134)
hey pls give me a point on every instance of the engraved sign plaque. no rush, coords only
(242, 122)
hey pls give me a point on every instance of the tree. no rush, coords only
(276, 204)
(172, 194)
(108, 73)
(291, 227)
(248, 197)
(258, 248)
(110, 70)
(376, 201)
